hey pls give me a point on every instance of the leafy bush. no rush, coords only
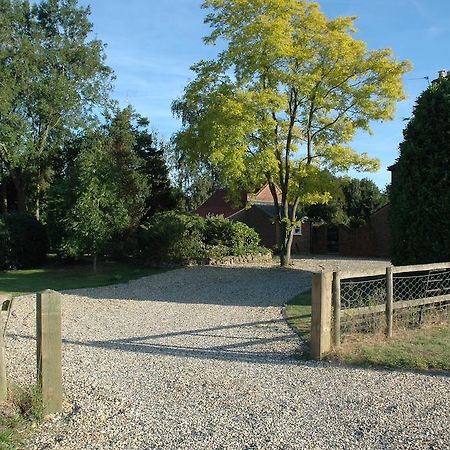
(24, 242)
(175, 237)
(235, 238)
(171, 236)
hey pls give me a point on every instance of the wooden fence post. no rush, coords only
(389, 301)
(3, 381)
(337, 309)
(321, 314)
(49, 356)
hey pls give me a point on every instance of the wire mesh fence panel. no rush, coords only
(419, 297)
(433, 287)
(363, 293)
(421, 285)
(360, 305)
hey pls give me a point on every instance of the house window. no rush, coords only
(298, 231)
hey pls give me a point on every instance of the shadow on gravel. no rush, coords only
(243, 343)
(227, 286)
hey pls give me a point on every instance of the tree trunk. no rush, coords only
(3, 199)
(20, 193)
(38, 203)
(94, 262)
(286, 237)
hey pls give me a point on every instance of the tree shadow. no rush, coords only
(259, 342)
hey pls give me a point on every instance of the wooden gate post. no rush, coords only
(49, 356)
(321, 314)
(389, 301)
(337, 309)
(3, 382)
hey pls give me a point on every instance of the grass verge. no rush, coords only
(426, 348)
(73, 276)
(18, 415)
(298, 313)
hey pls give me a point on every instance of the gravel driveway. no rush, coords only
(200, 358)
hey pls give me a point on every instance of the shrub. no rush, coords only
(24, 242)
(236, 237)
(176, 237)
(171, 236)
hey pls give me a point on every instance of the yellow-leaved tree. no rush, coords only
(283, 100)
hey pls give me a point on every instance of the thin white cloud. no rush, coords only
(434, 27)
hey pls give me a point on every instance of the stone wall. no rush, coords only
(258, 258)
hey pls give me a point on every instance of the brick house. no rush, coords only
(370, 240)
(258, 212)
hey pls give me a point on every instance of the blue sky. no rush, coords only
(152, 43)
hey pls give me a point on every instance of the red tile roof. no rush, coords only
(218, 204)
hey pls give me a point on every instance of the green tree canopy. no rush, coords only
(361, 199)
(153, 152)
(106, 187)
(420, 192)
(52, 75)
(353, 202)
(283, 100)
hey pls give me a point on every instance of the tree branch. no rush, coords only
(330, 124)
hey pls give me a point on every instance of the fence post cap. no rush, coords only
(48, 291)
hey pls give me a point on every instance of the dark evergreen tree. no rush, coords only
(161, 195)
(420, 193)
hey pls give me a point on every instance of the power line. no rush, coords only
(421, 78)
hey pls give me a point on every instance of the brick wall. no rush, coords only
(302, 243)
(268, 231)
(382, 233)
(371, 240)
(259, 221)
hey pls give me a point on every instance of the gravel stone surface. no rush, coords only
(316, 263)
(200, 358)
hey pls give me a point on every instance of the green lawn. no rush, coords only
(19, 415)
(298, 313)
(423, 348)
(60, 277)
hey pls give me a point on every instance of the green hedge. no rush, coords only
(175, 237)
(420, 192)
(23, 242)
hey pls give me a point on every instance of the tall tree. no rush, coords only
(284, 99)
(152, 151)
(361, 199)
(196, 179)
(420, 191)
(353, 202)
(109, 191)
(52, 76)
